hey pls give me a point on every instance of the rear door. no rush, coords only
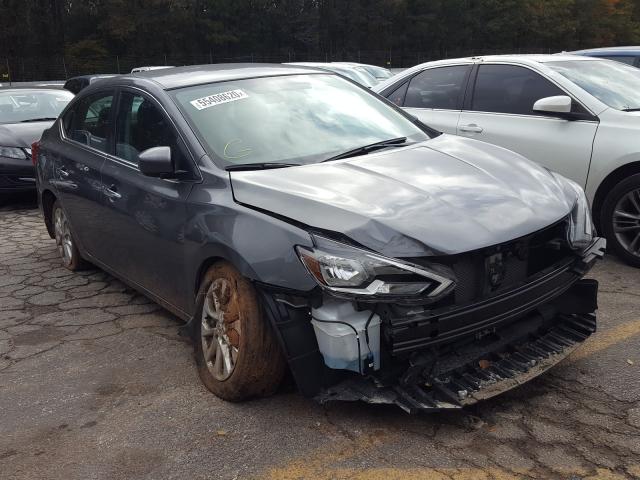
(500, 111)
(145, 216)
(77, 163)
(435, 96)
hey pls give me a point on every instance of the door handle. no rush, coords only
(471, 128)
(63, 172)
(112, 193)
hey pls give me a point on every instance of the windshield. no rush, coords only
(613, 83)
(298, 119)
(26, 105)
(378, 72)
(357, 74)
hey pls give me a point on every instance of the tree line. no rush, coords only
(308, 29)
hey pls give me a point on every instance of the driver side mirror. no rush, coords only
(156, 162)
(559, 106)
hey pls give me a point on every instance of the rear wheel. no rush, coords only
(621, 220)
(67, 248)
(237, 353)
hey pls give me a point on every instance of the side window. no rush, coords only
(397, 96)
(141, 125)
(441, 87)
(510, 89)
(88, 121)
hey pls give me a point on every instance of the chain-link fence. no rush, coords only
(21, 69)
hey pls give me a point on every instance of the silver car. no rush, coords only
(576, 115)
(357, 74)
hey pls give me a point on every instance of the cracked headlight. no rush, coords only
(13, 152)
(344, 270)
(580, 231)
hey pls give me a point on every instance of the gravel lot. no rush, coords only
(96, 383)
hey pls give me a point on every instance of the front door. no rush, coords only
(144, 216)
(77, 164)
(500, 111)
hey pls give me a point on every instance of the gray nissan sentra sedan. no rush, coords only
(296, 220)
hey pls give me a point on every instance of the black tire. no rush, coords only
(242, 336)
(67, 247)
(624, 197)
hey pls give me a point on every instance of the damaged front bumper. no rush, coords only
(480, 379)
(452, 357)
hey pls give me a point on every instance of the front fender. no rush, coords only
(260, 246)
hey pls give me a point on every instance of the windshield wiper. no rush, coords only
(43, 119)
(631, 109)
(258, 166)
(394, 142)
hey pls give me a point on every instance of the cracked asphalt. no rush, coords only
(96, 383)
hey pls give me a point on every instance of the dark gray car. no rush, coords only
(294, 218)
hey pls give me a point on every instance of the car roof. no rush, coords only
(96, 75)
(178, 77)
(523, 58)
(626, 49)
(18, 89)
(527, 59)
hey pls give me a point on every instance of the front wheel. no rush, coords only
(65, 242)
(237, 353)
(621, 220)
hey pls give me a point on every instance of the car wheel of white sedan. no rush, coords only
(621, 219)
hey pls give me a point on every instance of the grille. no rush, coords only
(493, 270)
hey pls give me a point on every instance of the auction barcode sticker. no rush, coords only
(218, 99)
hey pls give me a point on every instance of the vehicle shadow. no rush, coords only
(18, 201)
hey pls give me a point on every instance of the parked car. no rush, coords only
(381, 260)
(76, 84)
(379, 73)
(358, 75)
(24, 114)
(628, 55)
(146, 69)
(575, 115)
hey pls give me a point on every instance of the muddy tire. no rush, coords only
(237, 353)
(621, 220)
(65, 242)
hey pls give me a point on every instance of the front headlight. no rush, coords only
(580, 232)
(13, 152)
(344, 270)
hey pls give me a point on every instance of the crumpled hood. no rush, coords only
(444, 196)
(22, 134)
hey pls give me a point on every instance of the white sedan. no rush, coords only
(575, 115)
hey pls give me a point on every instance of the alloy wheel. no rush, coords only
(64, 240)
(626, 222)
(220, 329)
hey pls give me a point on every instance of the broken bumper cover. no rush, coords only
(478, 380)
(469, 372)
